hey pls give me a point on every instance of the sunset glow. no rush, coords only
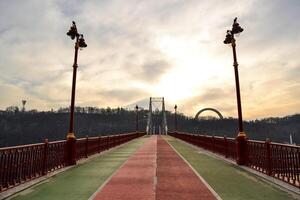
(137, 49)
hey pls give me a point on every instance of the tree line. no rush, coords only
(17, 127)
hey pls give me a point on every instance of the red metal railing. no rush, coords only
(281, 161)
(277, 160)
(220, 145)
(20, 164)
(53, 156)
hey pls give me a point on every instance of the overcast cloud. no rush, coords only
(138, 48)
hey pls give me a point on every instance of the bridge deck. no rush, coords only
(229, 181)
(176, 180)
(155, 171)
(135, 179)
(81, 181)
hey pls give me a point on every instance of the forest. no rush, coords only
(27, 127)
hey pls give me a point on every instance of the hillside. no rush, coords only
(31, 127)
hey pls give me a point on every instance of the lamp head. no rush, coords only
(136, 107)
(175, 107)
(236, 29)
(81, 42)
(229, 38)
(73, 31)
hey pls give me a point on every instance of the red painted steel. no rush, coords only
(80, 148)
(281, 161)
(20, 164)
(232, 154)
(242, 149)
(55, 155)
(278, 160)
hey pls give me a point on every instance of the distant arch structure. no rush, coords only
(209, 109)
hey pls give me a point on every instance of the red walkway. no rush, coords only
(176, 180)
(135, 179)
(155, 171)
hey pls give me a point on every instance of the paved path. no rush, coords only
(228, 180)
(176, 180)
(155, 171)
(136, 178)
(82, 180)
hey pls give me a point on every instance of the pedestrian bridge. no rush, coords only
(140, 166)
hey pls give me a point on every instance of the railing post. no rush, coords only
(99, 144)
(113, 140)
(45, 157)
(204, 141)
(70, 153)
(86, 146)
(213, 144)
(226, 146)
(268, 158)
(242, 150)
(198, 138)
(107, 144)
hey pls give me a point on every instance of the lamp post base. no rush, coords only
(71, 149)
(242, 150)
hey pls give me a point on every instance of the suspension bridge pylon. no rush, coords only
(157, 121)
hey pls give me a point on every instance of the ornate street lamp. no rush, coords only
(241, 137)
(71, 139)
(136, 118)
(175, 119)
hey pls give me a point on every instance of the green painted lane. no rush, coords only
(229, 181)
(81, 181)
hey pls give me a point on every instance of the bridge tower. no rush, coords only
(152, 123)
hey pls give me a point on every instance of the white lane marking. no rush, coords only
(200, 177)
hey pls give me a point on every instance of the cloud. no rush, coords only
(118, 96)
(155, 68)
(222, 99)
(152, 48)
(151, 71)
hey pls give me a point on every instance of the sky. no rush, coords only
(143, 48)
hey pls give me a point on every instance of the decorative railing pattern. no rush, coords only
(20, 164)
(54, 156)
(281, 161)
(220, 145)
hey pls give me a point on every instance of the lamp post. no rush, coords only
(241, 137)
(136, 118)
(71, 139)
(175, 119)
